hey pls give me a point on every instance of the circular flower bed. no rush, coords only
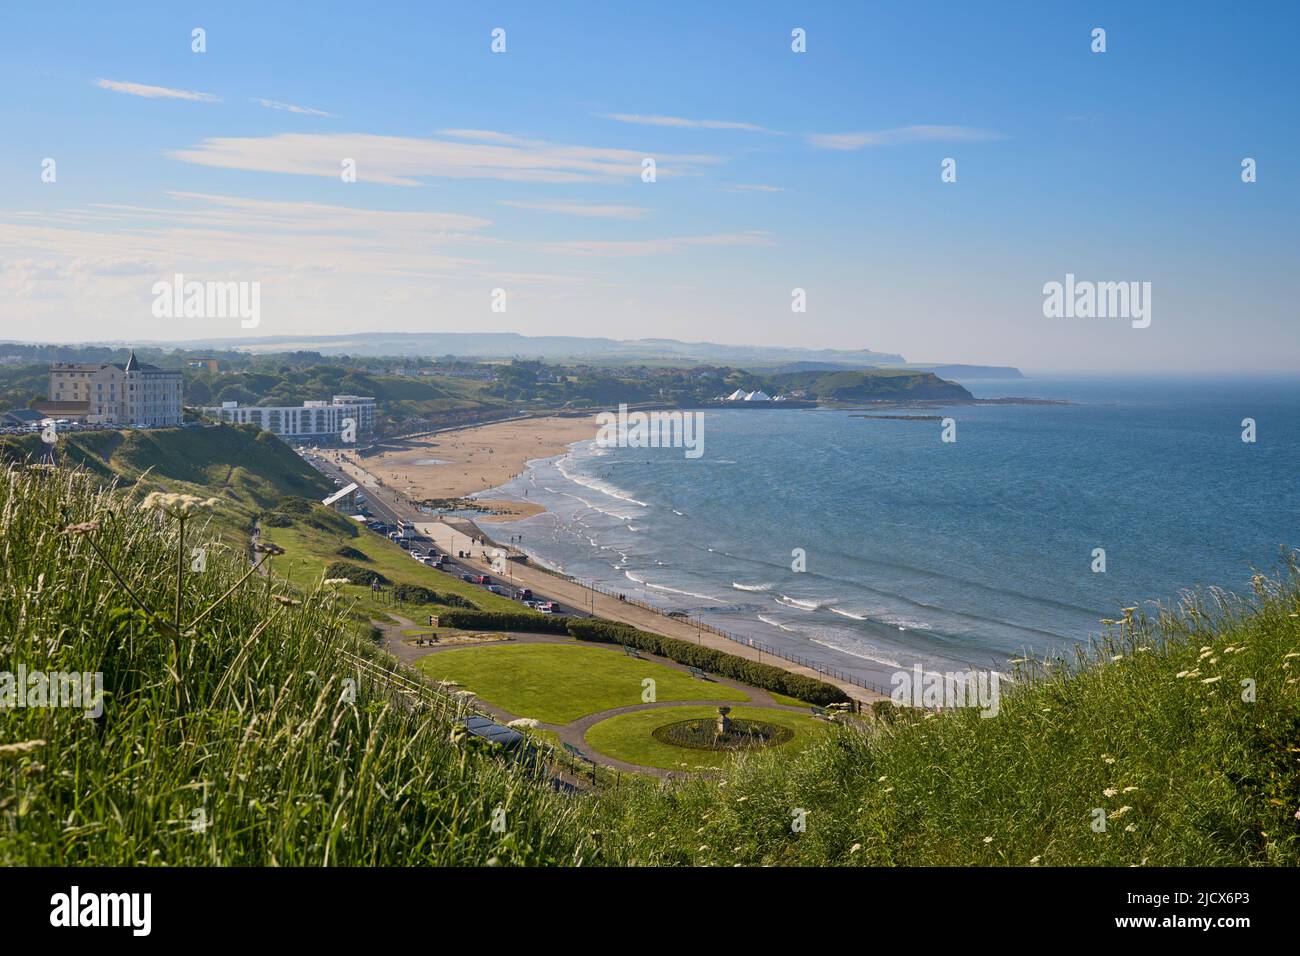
(702, 734)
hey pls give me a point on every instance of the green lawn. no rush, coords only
(788, 701)
(628, 736)
(557, 683)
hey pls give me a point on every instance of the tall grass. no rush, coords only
(1153, 726)
(235, 741)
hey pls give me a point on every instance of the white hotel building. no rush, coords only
(113, 393)
(320, 420)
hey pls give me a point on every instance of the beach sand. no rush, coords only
(456, 463)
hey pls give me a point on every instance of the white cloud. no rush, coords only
(625, 248)
(587, 210)
(404, 161)
(904, 134)
(289, 107)
(678, 122)
(198, 232)
(752, 188)
(155, 92)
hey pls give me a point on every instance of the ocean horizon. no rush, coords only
(919, 551)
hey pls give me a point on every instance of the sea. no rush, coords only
(870, 545)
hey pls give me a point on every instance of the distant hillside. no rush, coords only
(550, 348)
(871, 385)
(399, 397)
(249, 468)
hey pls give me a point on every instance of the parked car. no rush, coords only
(467, 578)
(482, 579)
(524, 594)
(496, 589)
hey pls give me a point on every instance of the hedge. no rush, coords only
(353, 573)
(708, 659)
(504, 621)
(417, 594)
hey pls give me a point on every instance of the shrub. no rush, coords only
(352, 553)
(505, 621)
(354, 574)
(416, 594)
(710, 659)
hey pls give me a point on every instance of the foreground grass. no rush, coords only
(1184, 731)
(558, 683)
(236, 740)
(628, 736)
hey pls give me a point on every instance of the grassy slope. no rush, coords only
(247, 720)
(1215, 779)
(557, 683)
(250, 470)
(311, 549)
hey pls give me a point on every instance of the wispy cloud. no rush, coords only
(404, 161)
(904, 134)
(626, 248)
(752, 188)
(155, 92)
(289, 107)
(679, 122)
(587, 210)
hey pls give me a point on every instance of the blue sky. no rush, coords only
(777, 170)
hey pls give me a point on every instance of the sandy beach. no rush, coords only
(457, 463)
